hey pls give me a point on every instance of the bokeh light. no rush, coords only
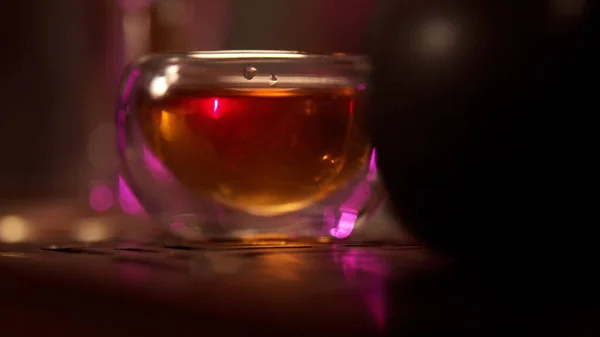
(101, 198)
(437, 36)
(92, 230)
(13, 229)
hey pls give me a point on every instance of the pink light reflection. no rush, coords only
(344, 227)
(372, 282)
(372, 175)
(101, 198)
(375, 301)
(129, 85)
(155, 166)
(360, 195)
(128, 202)
(353, 204)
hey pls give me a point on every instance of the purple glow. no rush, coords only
(344, 227)
(375, 301)
(372, 162)
(357, 199)
(361, 86)
(372, 289)
(128, 202)
(372, 175)
(349, 264)
(101, 198)
(129, 85)
(159, 172)
(354, 203)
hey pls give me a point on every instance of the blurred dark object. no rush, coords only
(61, 62)
(482, 123)
(307, 25)
(183, 25)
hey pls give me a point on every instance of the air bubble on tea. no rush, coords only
(272, 80)
(249, 72)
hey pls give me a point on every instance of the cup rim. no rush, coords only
(249, 54)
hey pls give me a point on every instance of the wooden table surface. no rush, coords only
(118, 288)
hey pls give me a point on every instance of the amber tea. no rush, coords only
(265, 152)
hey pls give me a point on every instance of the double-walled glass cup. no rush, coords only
(241, 144)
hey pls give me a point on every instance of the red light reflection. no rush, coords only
(215, 108)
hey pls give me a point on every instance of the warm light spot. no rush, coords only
(249, 54)
(265, 93)
(167, 125)
(323, 239)
(158, 86)
(172, 73)
(13, 229)
(308, 109)
(91, 230)
(348, 92)
(438, 36)
(325, 157)
(269, 211)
